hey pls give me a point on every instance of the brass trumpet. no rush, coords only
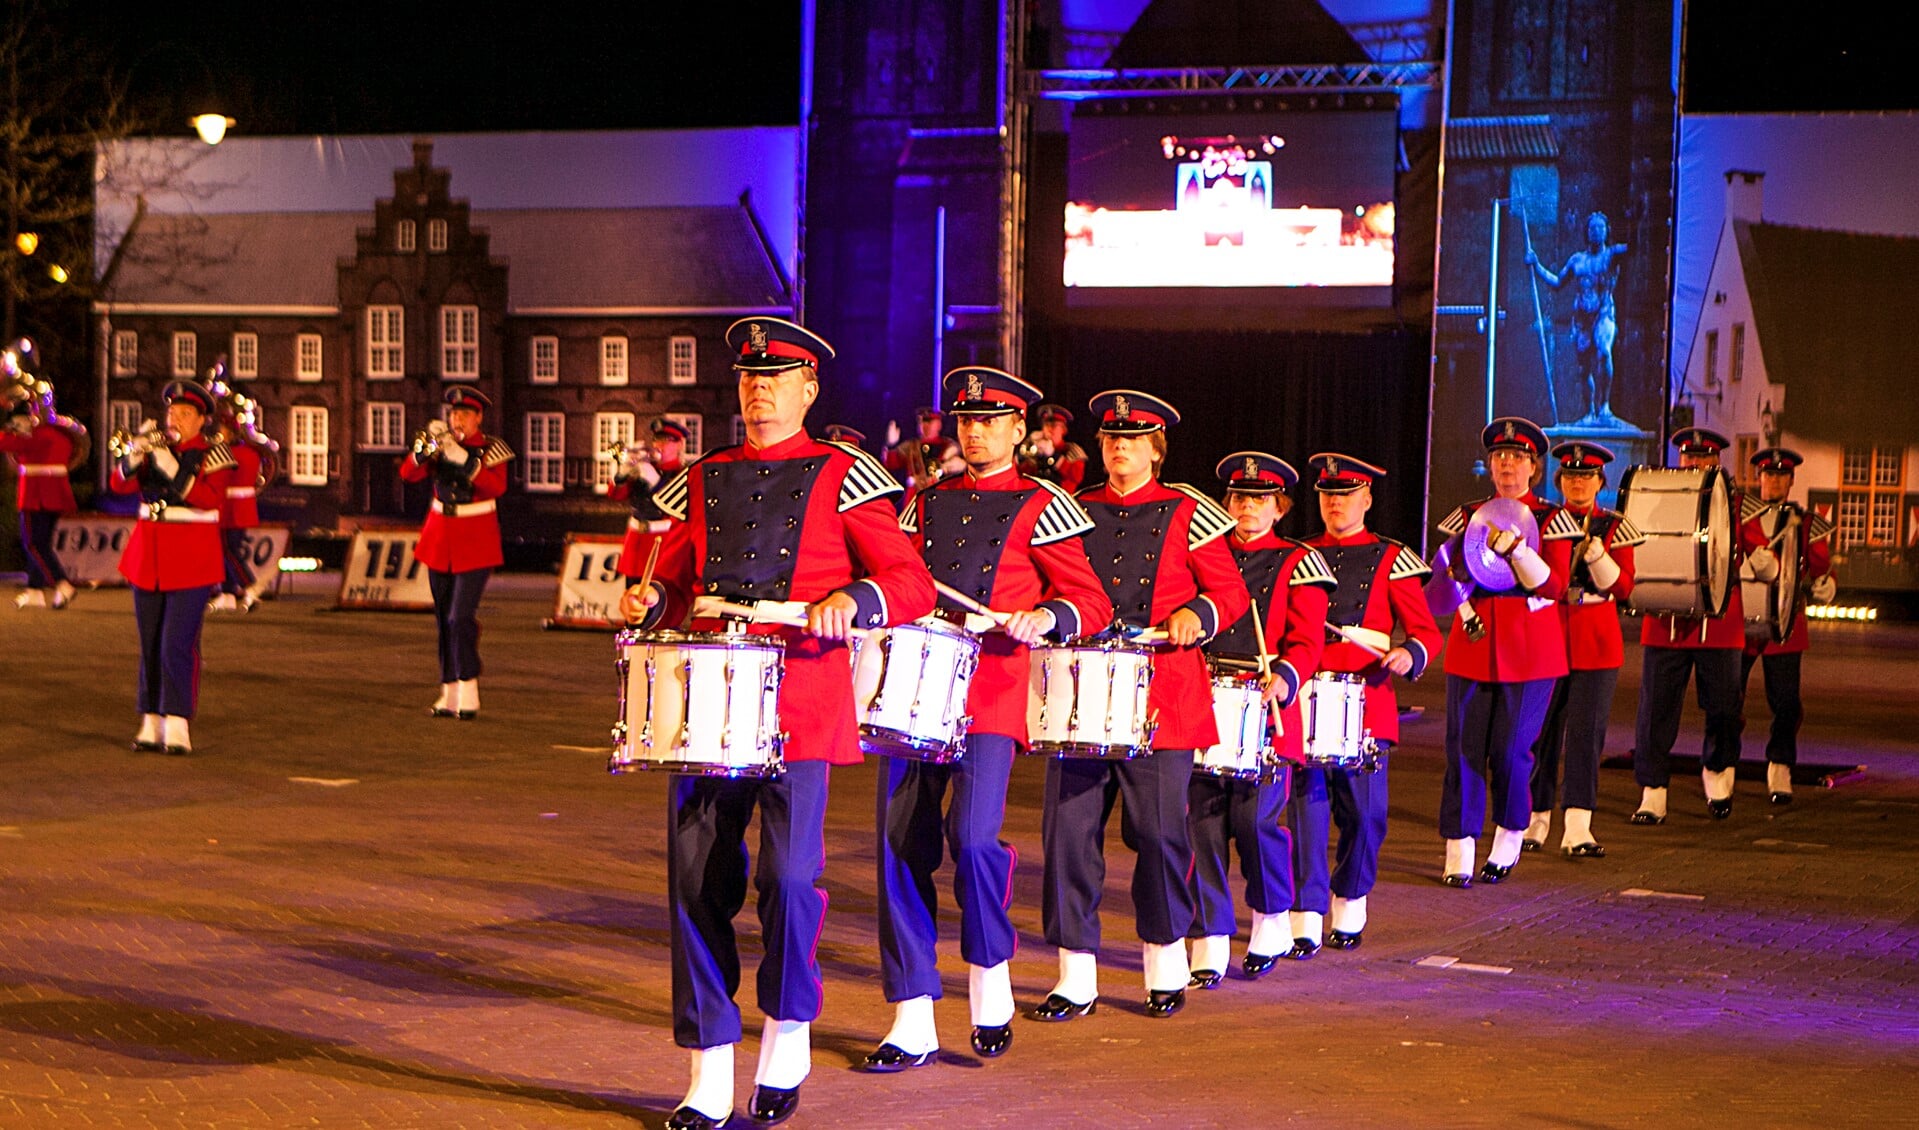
(150, 437)
(629, 452)
(426, 441)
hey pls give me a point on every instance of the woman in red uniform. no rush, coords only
(253, 467)
(173, 559)
(42, 442)
(460, 544)
(638, 476)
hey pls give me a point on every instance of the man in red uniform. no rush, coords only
(42, 442)
(1161, 552)
(1049, 455)
(923, 460)
(173, 559)
(638, 476)
(253, 466)
(1288, 584)
(780, 519)
(1378, 592)
(1506, 648)
(1011, 543)
(1602, 573)
(1781, 659)
(460, 543)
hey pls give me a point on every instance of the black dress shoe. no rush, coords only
(1257, 965)
(1719, 809)
(147, 747)
(1164, 1002)
(992, 1040)
(466, 715)
(445, 712)
(1057, 1008)
(1205, 979)
(1491, 873)
(1585, 851)
(773, 1105)
(1344, 940)
(1530, 845)
(686, 1118)
(888, 1058)
(1303, 950)
(1781, 798)
(1459, 881)
(1644, 817)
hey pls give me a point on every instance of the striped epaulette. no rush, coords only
(1063, 517)
(1562, 526)
(1209, 523)
(1455, 523)
(218, 458)
(670, 496)
(1311, 569)
(866, 480)
(1625, 535)
(1750, 507)
(495, 452)
(1408, 563)
(1818, 528)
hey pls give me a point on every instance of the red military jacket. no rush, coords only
(240, 509)
(1014, 544)
(1815, 560)
(800, 520)
(1593, 639)
(645, 523)
(1065, 466)
(176, 543)
(1379, 586)
(43, 455)
(1727, 630)
(1289, 583)
(1525, 638)
(462, 531)
(1157, 550)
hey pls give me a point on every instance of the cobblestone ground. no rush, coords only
(339, 912)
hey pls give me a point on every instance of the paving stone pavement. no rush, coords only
(339, 913)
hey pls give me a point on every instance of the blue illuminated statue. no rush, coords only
(1593, 271)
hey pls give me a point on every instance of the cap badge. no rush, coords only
(756, 337)
(1579, 455)
(1509, 430)
(1332, 468)
(1122, 410)
(1252, 468)
(974, 391)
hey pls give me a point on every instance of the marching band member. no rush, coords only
(922, 461)
(1014, 544)
(781, 518)
(460, 544)
(253, 468)
(844, 433)
(1048, 454)
(1288, 583)
(1781, 660)
(44, 445)
(173, 559)
(634, 482)
(1159, 549)
(1676, 649)
(1602, 573)
(1378, 590)
(1506, 648)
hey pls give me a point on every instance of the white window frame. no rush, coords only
(126, 353)
(186, 353)
(385, 343)
(682, 357)
(307, 446)
(459, 343)
(124, 415)
(615, 353)
(695, 426)
(245, 356)
(609, 428)
(309, 347)
(1736, 367)
(405, 235)
(544, 461)
(436, 235)
(543, 370)
(385, 426)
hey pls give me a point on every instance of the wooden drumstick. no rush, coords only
(758, 614)
(1353, 636)
(646, 575)
(1266, 670)
(998, 618)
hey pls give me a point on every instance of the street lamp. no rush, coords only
(211, 127)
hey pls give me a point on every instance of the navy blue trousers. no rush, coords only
(456, 611)
(1782, 696)
(36, 541)
(233, 545)
(1249, 817)
(1490, 730)
(1356, 804)
(1079, 800)
(1664, 672)
(1574, 732)
(706, 885)
(169, 623)
(912, 839)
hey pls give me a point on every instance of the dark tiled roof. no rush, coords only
(256, 259)
(1529, 137)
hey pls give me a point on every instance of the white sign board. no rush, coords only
(590, 583)
(382, 573)
(89, 547)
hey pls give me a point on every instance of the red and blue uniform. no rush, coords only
(1781, 659)
(646, 523)
(240, 512)
(460, 542)
(43, 453)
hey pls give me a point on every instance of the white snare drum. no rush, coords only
(1089, 700)
(1333, 709)
(699, 702)
(1244, 751)
(1684, 567)
(909, 688)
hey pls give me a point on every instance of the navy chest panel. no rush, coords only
(755, 513)
(964, 534)
(640, 501)
(1125, 546)
(1355, 567)
(1260, 570)
(1601, 527)
(155, 486)
(453, 483)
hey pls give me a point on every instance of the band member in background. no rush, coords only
(460, 544)
(844, 433)
(1288, 583)
(780, 518)
(45, 445)
(1014, 544)
(1160, 550)
(1676, 649)
(173, 558)
(1781, 660)
(1048, 454)
(923, 460)
(1602, 573)
(641, 469)
(254, 456)
(1378, 592)
(1507, 647)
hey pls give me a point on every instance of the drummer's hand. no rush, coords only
(1183, 628)
(1029, 627)
(1824, 589)
(1399, 661)
(832, 618)
(1272, 689)
(636, 600)
(1765, 565)
(1502, 541)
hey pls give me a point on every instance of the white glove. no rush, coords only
(1603, 570)
(166, 462)
(1044, 446)
(451, 451)
(646, 473)
(1502, 541)
(1824, 589)
(892, 433)
(1765, 565)
(436, 429)
(1595, 549)
(1530, 568)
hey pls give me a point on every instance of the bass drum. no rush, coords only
(1684, 567)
